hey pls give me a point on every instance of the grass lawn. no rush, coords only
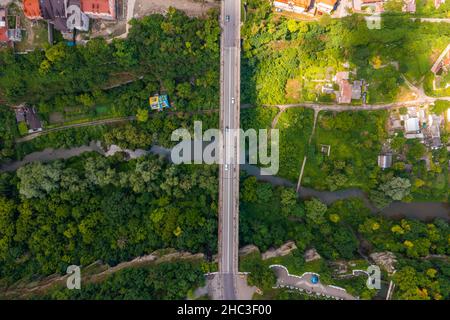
(35, 35)
(295, 127)
(433, 184)
(426, 8)
(355, 140)
(73, 115)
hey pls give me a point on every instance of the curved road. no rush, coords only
(304, 283)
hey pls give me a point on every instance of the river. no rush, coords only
(416, 210)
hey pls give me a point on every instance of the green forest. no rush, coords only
(340, 231)
(93, 208)
(171, 54)
(164, 281)
(90, 207)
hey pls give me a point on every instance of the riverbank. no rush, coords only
(424, 211)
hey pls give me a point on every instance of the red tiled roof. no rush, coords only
(96, 7)
(345, 92)
(328, 2)
(31, 9)
(4, 35)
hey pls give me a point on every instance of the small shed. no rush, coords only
(159, 102)
(385, 161)
(356, 89)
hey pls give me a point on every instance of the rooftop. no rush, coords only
(3, 26)
(330, 3)
(159, 102)
(345, 93)
(356, 89)
(385, 161)
(412, 125)
(32, 9)
(342, 75)
(99, 7)
(409, 6)
(32, 119)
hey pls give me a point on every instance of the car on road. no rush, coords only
(226, 167)
(227, 18)
(232, 100)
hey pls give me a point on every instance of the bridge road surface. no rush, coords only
(229, 167)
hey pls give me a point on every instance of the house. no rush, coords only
(29, 116)
(385, 161)
(412, 128)
(32, 9)
(159, 102)
(412, 125)
(409, 6)
(3, 26)
(20, 114)
(33, 122)
(296, 6)
(356, 89)
(344, 95)
(325, 6)
(54, 11)
(434, 124)
(442, 62)
(99, 9)
(345, 92)
(60, 13)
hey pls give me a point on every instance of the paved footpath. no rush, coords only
(304, 283)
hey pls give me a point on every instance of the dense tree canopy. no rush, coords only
(101, 208)
(140, 283)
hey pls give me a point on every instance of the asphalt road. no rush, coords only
(229, 169)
